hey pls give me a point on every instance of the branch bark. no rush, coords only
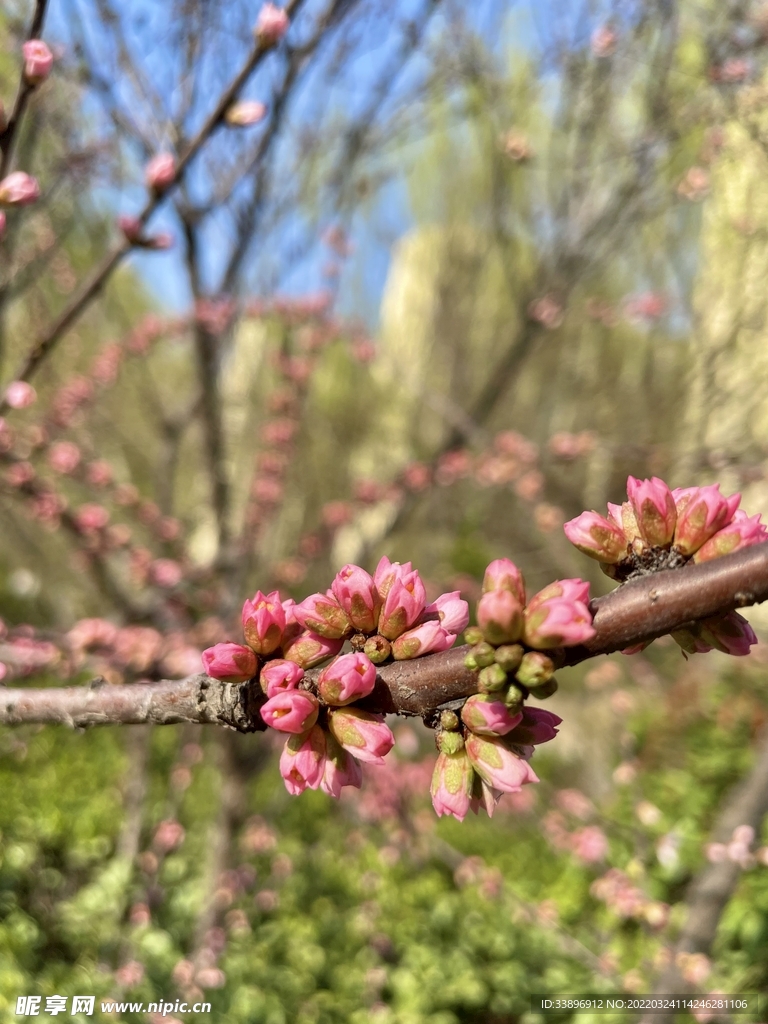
(640, 610)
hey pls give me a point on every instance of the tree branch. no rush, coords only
(8, 136)
(641, 610)
(97, 280)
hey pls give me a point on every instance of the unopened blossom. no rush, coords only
(361, 733)
(166, 573)
(576, 590)
(340, 769)
(308, 649)
(264, 622)
(403, 603)
(19, 394)
(232, 663)
(498, 766)
(303, 761)
(356, 593)
(488, 716)
(502, 574)
(537, 726)
(451, 610)
(500, 617)
(348, 678)
(654, 508)
(19, 189)
(278, 675)
(730, 633)
(701, 513)
(589, 844)
(322, 614)
(558, 622)
(64, 457)
(427, 638)
(292, 711)
(245, 113)
(271, 24)
(160, 172)
(741, 532)
(38, 61)
(452, 784)
(603, 41)
(91, 517)
(597, 537)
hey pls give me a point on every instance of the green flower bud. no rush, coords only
(484, 654)
(377, 648)
(449, 742)
(535, 669)
(545, 690)
(514, 697)
(473, 635)
(509, 656)
(469, 661)
(449, 720)
(492, 678)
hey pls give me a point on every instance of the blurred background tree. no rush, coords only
(469, 269)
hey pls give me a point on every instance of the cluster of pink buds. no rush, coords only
(485, 751)
(383, 617)
(657, 529)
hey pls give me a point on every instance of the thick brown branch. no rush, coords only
(641, 610)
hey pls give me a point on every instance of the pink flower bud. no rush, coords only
(404, 603)
(487, 716)
(362, 734)
(309, 649)
(348, 678)
(302, 761)
(64, 457)
(730, 633)
(387, 572)
(18, 189)
(322, 613)
(742, 532)
(264, 622)
(558, 623)
(341, 769)
(245, 113)
(358, 597)
(160, 172)
(500, 616)
(38, 61)
(166, 573)
(19, 394)
(567, 590)
(499, 767)
(293, 711)
(232, 663)
(504, 575)
(131, 227)
(279, 675)
(654, 509)
(597, 537)
(271, 25)
(90, 518)
(706, 511)
(451, 787)
(428, 638)
(537, 726)
(589, 844)
(452, 611)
